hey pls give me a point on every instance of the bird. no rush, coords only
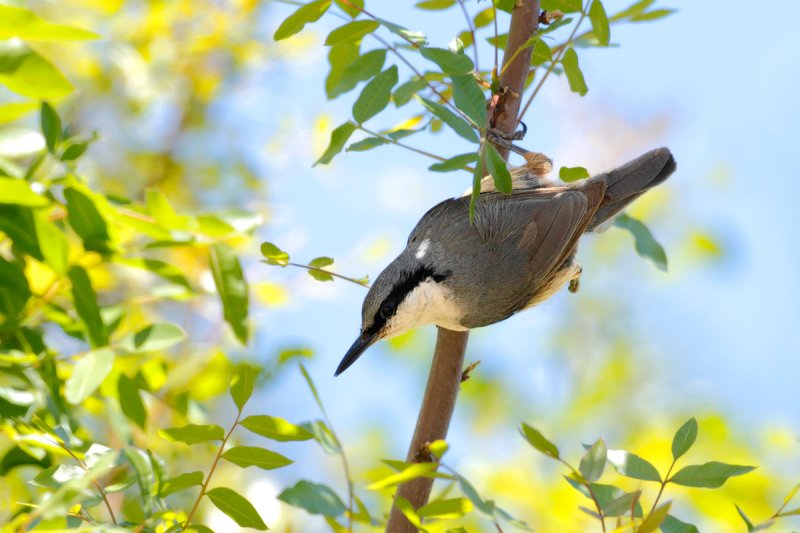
(517, 251)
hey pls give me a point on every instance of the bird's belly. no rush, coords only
(552, 286)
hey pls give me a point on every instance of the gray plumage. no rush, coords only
(518, 251)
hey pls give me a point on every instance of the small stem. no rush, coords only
(334, 274)
(204, 486)
(597, 505)
(496, 51)
(407, 147)
(94, 481)
(663, 484)
(400, 56)
(345, 464)
(472, 32)
(560, 53)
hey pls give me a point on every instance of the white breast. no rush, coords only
(429, 303)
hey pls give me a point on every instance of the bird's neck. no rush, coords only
(429, 303)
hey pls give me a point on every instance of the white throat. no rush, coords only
(428, 303)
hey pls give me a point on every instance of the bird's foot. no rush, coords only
(575, 282)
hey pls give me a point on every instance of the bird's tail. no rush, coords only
(626, 183)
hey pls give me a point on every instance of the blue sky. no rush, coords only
(696, 82)
(716, 83)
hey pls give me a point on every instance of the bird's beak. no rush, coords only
(363, 342)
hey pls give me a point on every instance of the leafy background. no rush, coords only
(197, 110)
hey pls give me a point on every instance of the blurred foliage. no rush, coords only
(115, 282)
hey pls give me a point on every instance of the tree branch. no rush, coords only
(444, 379)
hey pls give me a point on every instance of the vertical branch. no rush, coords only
(444, 379)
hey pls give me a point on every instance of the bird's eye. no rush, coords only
(387, 310)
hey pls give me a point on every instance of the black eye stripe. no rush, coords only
(401, 290)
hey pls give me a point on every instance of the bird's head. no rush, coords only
(407, 294)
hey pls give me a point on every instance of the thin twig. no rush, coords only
(663, 484)
(402, 58)
(207, 480)
(345, 464)
(496, 52)
(560, 51)
(471, 32)
(94, 481)
(407, 147)
(334, 274)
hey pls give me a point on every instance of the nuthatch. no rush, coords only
(518, 252)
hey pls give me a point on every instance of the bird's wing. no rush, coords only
(542, 224)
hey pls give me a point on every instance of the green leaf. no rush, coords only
(646, 245)
(498, 169)
(375, 95)
(51, 125)
(477, 176)
(538, 441)
(15, 110)
(470, 99)
(16, 191)
(351, 7)
(314, 498)
(245, 456)
(574, 75)
(709, 475)
(25, 24)
(130, 401)
(456, 123)
(450, 62)
(405, 91)
(180, 482)
(435, 5)
(361, 68)
(684, 438)
(161, 269)
(621, 505)
(324, 436)
(153, 338)
(566, 6)
(243, 384)
(14, 290)
(86, 305)
(450, 509)
(594, 461)
(25, 72)
(194, 433)
(294, 23)
(88, 374)
(634, 9)
(413, 471)
(274, 255)
(417, 38)
(339, 138)
(541, 53)
(17, 142)
(144, 468)
(654, 519)
(457, 162)
(86, 220)
(351, 32)
(569, 174)
(633, 466)
(232, 288)
(236, 506)
(597, 14)
(366, 144)
(652, 15)
(74, 150)
(320, 262)
(673, 525)
(275, 428)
